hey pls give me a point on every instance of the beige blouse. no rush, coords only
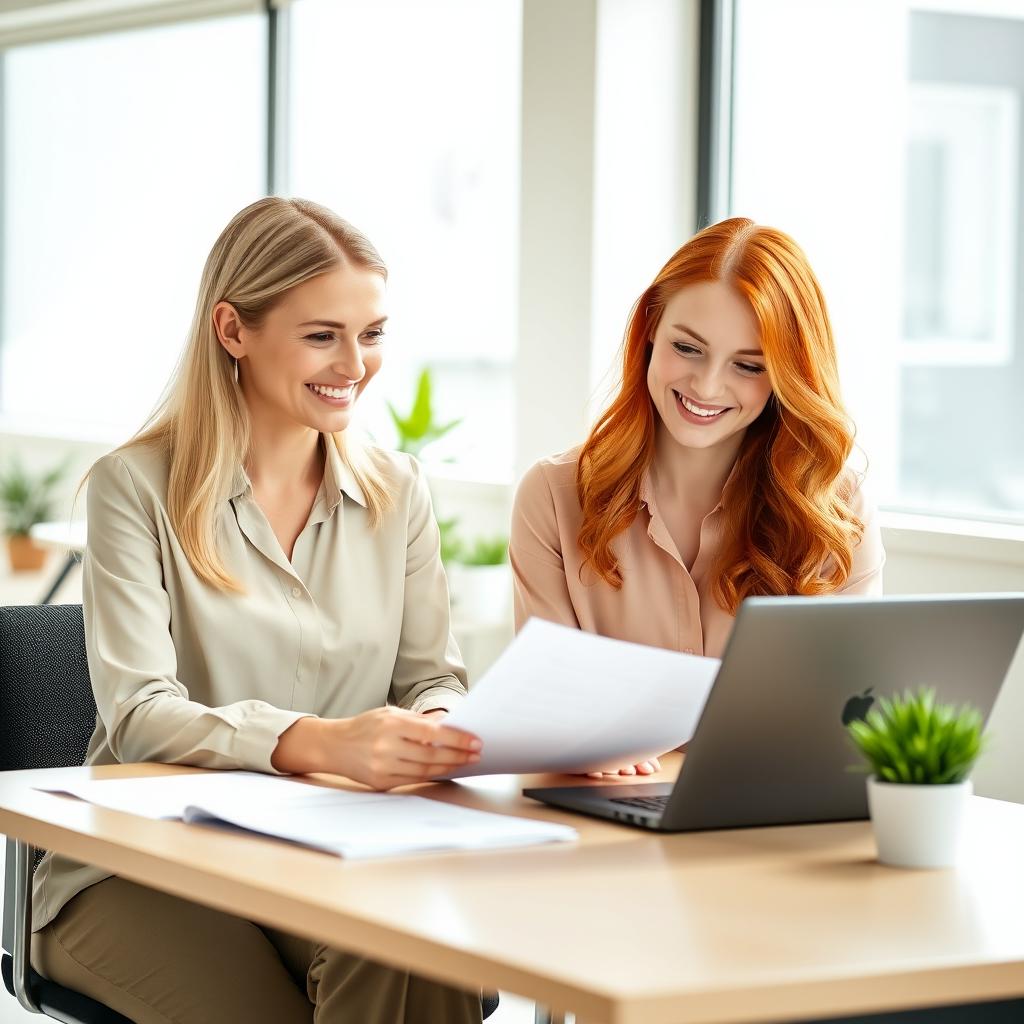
(185, 674)
(660, 603)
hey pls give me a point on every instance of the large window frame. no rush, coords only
(275, 114)
(919, 532)
(127, 18)
(548, 412)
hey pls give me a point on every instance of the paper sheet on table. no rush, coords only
(562, 700)
(351, 825)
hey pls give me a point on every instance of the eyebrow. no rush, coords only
(693, 334)
(336, 323)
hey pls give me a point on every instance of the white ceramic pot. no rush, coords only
(480, 593)
(917, 826)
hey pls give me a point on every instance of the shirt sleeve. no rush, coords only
(538, 571)
(144, 707)
(429, 672)
(869, 555)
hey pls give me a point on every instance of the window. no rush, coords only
(416, 143)
(124, 156)
(886, 141)
(960, 258)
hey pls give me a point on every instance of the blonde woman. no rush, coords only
(260, 592)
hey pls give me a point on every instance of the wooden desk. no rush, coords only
(622, 928)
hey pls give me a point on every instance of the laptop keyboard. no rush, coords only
(648, 803)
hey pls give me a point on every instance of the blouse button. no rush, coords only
(296, 592)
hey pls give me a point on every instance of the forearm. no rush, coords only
(446, 694)
(303, 747)
(166, 727)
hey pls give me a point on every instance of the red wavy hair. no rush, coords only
(788, 524)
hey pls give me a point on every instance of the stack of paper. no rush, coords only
(352, 825)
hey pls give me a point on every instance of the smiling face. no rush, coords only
(315, 351)
(707, 373)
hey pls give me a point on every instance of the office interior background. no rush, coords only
(525, 167)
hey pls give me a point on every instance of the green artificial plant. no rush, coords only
(913, 739)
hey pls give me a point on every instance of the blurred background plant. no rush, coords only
(484, 551)
(419, 428)
(479, 578)
(28, 498)
(451, 545)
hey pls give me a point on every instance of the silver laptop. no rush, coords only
(771, 746)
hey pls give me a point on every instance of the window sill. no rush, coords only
(69, 432)
(940, 536)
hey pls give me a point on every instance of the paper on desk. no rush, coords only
(351, 825)
(562, 700)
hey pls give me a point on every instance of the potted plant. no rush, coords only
(27, 498)
(919, 753)
(481, 587)
(419, 428)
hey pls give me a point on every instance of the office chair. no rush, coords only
(47, 714)
(46, 718)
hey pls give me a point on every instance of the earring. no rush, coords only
(236, 371)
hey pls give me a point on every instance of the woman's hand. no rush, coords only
(643, 768)
(382, 748)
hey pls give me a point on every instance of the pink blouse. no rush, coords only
(660, 603)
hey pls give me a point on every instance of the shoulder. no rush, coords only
(402, 473)
(550, 479)
(141, 470)
(546, 500)
(868, 550)
(404, 481)
(856, 490)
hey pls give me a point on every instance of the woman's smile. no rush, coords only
(338, 397)
(697, 412)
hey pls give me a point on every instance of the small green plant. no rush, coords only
(28, 498)
(451, 545)
(485, 551)
(912, 739)
(419, 428)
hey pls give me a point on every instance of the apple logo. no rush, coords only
(857, 707)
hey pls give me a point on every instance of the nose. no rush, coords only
(349, 362)
(706, 384)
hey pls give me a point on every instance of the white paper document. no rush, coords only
(562, 700)
(351, 825)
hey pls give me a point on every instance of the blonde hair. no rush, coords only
(202, 422)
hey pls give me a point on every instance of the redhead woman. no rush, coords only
(719, 471)
(262, 592)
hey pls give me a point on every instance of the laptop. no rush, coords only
(771, 747)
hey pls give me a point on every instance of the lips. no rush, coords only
(699, 411)
(335, 397)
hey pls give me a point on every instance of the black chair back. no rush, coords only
(47, 712)
(47, 715)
